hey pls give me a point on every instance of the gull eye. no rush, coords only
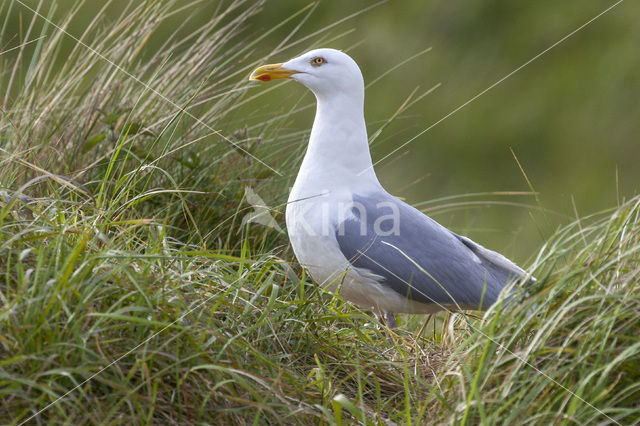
(317, 61)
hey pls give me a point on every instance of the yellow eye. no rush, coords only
(317, 61)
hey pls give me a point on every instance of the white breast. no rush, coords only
(311, 224)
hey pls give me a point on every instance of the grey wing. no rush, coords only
(419, 258)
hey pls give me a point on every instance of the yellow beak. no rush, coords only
(271, 72)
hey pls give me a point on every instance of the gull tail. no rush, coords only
(500, 267)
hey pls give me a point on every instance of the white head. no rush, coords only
(326, 72)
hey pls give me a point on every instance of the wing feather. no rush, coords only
(419, 258)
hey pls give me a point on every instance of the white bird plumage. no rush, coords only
(414, 265)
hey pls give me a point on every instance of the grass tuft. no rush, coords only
(569, 351)
(132, 290)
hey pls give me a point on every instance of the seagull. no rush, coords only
(353, 236)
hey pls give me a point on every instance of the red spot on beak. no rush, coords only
(264, 77)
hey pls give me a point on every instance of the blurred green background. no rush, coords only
(571, 117)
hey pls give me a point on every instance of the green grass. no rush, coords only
(131, 291)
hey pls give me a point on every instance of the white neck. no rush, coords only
(338, 151)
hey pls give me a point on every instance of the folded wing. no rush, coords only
(419, 258)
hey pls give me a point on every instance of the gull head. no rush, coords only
(326, 72)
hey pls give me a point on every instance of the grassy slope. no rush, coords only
(141, 290)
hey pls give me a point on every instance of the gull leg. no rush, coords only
(390, 319)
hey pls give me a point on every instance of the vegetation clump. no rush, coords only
(133, 291)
